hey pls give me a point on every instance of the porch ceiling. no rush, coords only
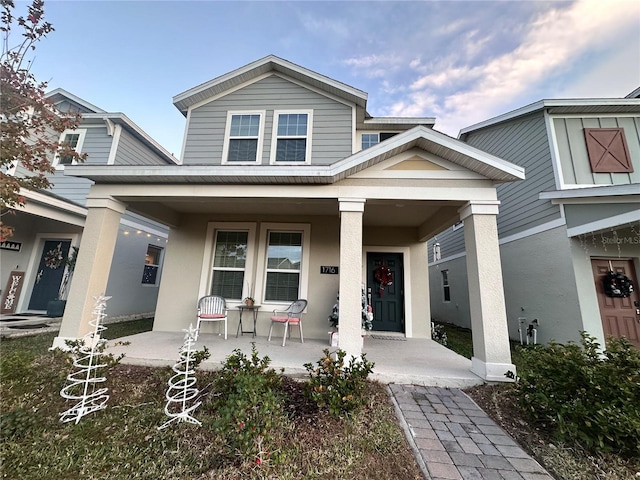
(387, 213)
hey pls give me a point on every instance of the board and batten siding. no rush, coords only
(524, 142)
(332, 121)
(572, 149)
(132, 152)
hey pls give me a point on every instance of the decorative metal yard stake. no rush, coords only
(181, 388)
(87, 360)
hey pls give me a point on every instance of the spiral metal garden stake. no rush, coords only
(181, 390)
(87, 361)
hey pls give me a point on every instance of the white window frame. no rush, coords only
(362, 147)
(275, 137)
(158, 265)
(206, 275)
(82, 132)
(227, 136)
(446, 287)
(261, 274)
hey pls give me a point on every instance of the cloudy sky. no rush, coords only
(461, 62)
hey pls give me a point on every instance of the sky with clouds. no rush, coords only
(459, 61)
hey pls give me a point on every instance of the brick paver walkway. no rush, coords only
(455, 440)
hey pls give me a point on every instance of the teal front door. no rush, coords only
(387, 301)
(49, 275)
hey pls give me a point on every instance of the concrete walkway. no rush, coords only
(454, 439)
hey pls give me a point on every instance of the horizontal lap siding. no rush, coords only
(572, 149)
(132, 152)
(331, 136)
(523, 142)
(451, 243)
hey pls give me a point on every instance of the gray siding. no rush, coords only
(332, 121)
(523, 142)
(132, 152)
(572, 149)
(451, 243)
(97, 145)
(577, 215)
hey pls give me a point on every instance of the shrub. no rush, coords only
(336, 387)
(584, 395)
(246, 405)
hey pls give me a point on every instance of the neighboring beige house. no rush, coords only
(289, 189)
(51, 223)
(575, 218)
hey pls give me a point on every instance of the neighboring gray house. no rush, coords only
(52, 221)
(574, 218)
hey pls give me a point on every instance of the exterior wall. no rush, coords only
(581, 214)
(332, 121)
(540, 282)
(185, 256)
(572, 149)
(523, 142)
(129, 295)
(132, 152)
(586, 247)
(451, 242)
(457, 310)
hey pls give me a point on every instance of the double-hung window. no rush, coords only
(229, 263)
(243, 137)
(291, 141)
(73, 140)
(284, 261)
(369, 140)
(151, 265)
(446, 288)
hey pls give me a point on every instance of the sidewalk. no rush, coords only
(454, 439)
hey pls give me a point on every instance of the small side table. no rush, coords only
(253, 308)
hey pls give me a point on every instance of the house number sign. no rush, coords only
(328, 270)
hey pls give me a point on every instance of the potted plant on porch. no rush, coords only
(55, 308)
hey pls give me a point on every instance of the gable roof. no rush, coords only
(422, 137)
(562, 106)
(270, 63)
(59, 94)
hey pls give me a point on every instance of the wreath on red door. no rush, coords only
(384, 277)
(617, 285)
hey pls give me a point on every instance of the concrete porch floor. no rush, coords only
(397, 360)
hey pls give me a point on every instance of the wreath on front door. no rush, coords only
(384, 277)
(54, 259)
(617, 285)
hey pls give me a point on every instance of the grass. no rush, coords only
(458, 339)
(123, 442)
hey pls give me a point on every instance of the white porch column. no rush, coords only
(491, 353)
(350, 338)
(92, 267)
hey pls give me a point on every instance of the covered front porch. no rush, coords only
(417, 361)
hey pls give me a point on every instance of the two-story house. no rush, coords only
(289, 189)
(52, 222)
(573, 220)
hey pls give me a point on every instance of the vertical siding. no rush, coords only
(133, 152)
(523, 142)
(572, 148)
(332, 121)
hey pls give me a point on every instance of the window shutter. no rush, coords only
(607, 150)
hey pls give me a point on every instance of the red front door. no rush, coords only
(619, 314)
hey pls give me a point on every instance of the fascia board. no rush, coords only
(549, 103)
(182, 100)
(122, 119)
(592, 192)
(74, 98)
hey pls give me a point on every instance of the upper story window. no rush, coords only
(292, 137)
(243, 137)
(607, 150)
(74, 139)
(371, 139)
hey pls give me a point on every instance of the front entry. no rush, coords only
(49, 275)
(619, 314)
(387, 300)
